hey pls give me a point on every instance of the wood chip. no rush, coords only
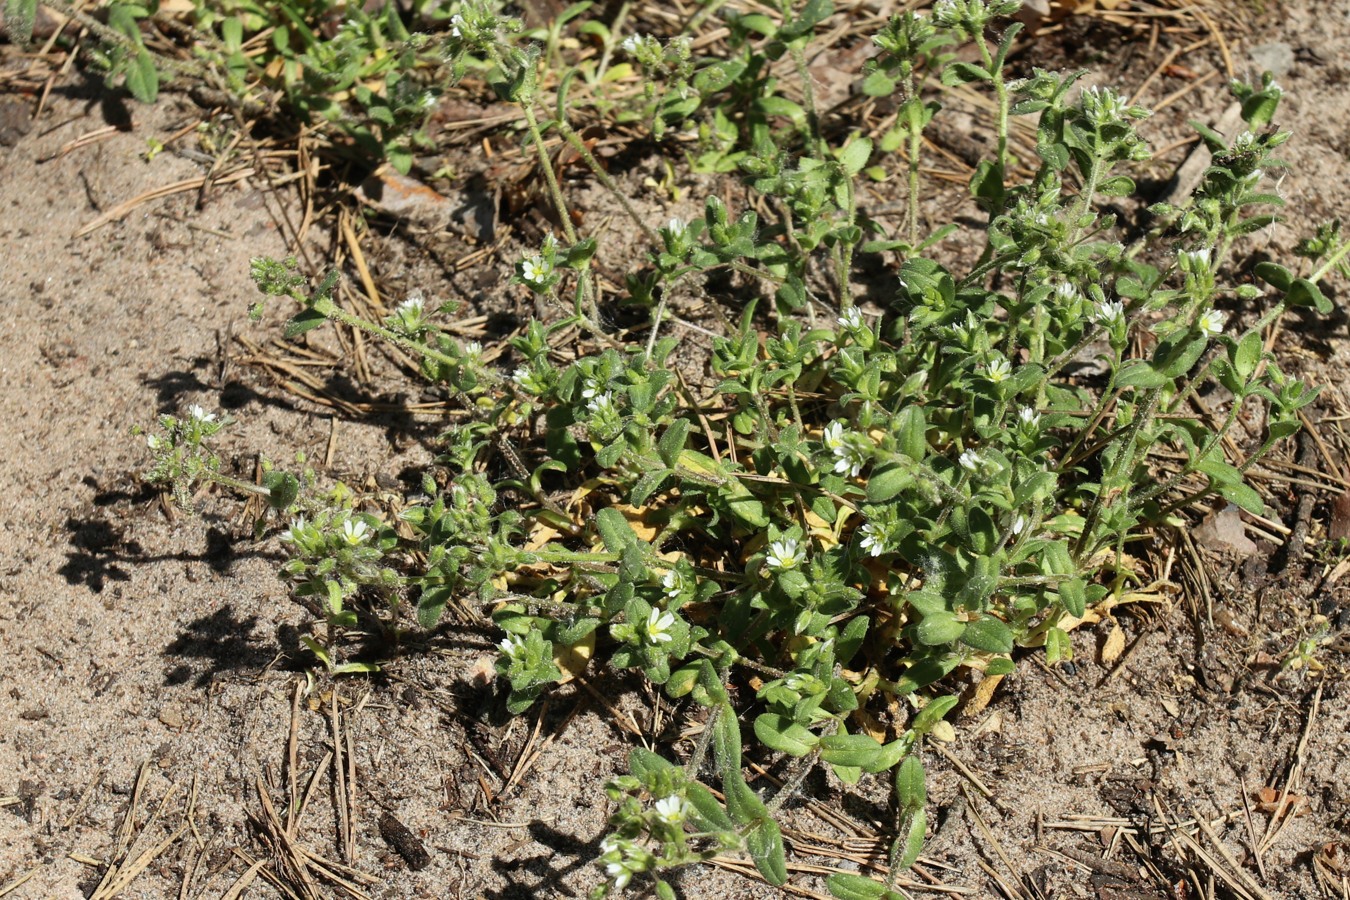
(404, 842)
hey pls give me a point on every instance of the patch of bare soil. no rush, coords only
(160, 737)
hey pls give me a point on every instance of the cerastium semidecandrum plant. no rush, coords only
(862, 505)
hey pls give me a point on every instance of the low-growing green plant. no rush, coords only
(862, 505)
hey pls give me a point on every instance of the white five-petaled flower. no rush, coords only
(849, 459)
(152, 442)
(290, 534)
(833, 436)
(658, 626)
(998, 371)
(1110, 312)
(534, 269)
(473, 349)
(670, 809)
(1194, 260)
(412, 306)
(784, 555)
(851, 319)
(631, 43)
(969, 460)
(873, 541)
(1028, 417)
(1065, 291)
(673, 583)
(601, 404)
(200, 414)
(676, 227)
(456, 26)
(512, 647)
(354, 531)
(619, 872)
(1211, 322)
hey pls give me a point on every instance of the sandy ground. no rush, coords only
(149, 699)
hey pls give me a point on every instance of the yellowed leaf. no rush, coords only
(573, 658)
(1114, 644)
(979, 695)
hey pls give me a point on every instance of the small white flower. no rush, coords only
(473, 349)
(833, 436)
(1028, 417)
(152, 442)
(673, 583)
(610, 844)
(1211, 322)
(676, 227)
(849, 460)
(784, 555)
(619, 872)
(534, 269)
(413, 306)
(852, 319)
(290, 535)
(1065, 292)
(512, 647)
(998, 371)
(589, 389)
(1194, 260)
(873, 541)
(1110, 312)
(1019, 525)
(354, 531)
(631, 43)
(520, 375)
(658, 626)
(457, 26)
(200, 414)
(602, 404)
(670, 809)
(969, 460)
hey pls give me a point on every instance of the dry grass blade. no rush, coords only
(1284, 809)
(20, 881)
(124, 209)
(994, 844)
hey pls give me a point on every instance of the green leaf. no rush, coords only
(1306, 293)
(911, 788)
(854, 750)
(1139, 373)
(282, 488)
(1273, 274)
(718, 76)
(939, 628)
(743, 803)
(615, 531)
(19, 16)
(1247, 354)
(964, 73)
(784, 735)
(934, 712)
(142, 79)
(855, 887)
(1243, 495)
(672, 442)
(1000, 666)
(649, 483)
(1119, 186)
(888, 481)
(646, 765)
(1057, 646)
(1073, 595)
(727, 744)
(914, 827)
(765, 843)
(431, 605)
(304, 321)
(989, 634)
(854, 157)
(707, 807)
